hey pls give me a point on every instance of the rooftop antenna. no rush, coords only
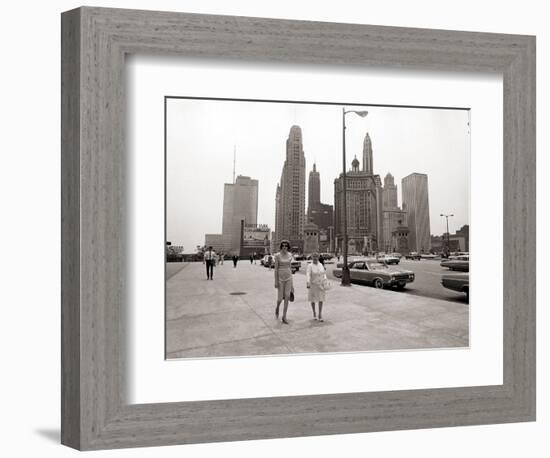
(234, 161)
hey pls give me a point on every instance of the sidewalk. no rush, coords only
(204, 318)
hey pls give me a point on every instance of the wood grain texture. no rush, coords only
(96, 414)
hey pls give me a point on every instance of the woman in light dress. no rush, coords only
(283, 277)
(316, 275)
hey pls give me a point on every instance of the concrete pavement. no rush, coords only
(207, 319)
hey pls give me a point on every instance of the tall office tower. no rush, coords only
(367, 155)
(240, 202)
(314, 189)
(292, 200)
(389, 194)
(278, 216)
(394, 217)
(414, 191)
(322, 215)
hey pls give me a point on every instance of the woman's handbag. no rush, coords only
(291, 298)
(326, 284)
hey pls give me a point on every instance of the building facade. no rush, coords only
(400, 239)
(414, 191)
(322, 215)
(216, 241)
(311, 238)
(290, 200)
(364, 207)
(240, 202)
(393, 217)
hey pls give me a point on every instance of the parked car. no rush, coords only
(429, 256)
(460, 263)
(457, 282)
(414, 256)
(295, 266)
(389, 259)
(377, 274)
(267, 261)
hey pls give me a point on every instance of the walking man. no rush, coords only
(210, 261)
(235, 259)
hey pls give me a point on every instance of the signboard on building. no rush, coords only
(255, 239)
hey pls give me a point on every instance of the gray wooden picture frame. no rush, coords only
(95, 411)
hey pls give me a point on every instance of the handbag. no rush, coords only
(291, 298)
(326, 284)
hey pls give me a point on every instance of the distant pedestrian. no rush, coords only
(321, 259)
(251, 258)
(221, 258)
(210, 261)
(316, 278)
(235, 259)
(283, 278)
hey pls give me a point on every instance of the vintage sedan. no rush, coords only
(377, 274)
(459, 282)
(413, 255)
(460, 263)
(389, 259)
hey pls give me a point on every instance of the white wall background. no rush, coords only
(30, 228)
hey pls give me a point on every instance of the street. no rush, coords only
(427, 282)
(233, 315)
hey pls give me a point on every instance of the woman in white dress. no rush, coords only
(316, 275)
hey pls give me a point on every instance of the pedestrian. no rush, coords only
(210, 260)
(221, 258)
(316, 277)
(321, 259)
(283, 278)
(235, 259)
(251, 258)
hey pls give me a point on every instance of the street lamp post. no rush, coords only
(448, 234)
(346, 280)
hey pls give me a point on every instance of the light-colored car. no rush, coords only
(267, 261)
(389, 259)
(457, 282)
(414, 256)
(460, 263)
(377, 274)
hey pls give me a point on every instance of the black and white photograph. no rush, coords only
(303, 228)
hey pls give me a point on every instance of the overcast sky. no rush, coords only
(201, 136)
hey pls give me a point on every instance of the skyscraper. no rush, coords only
(414, 189)
(389, 195)
(314, 189)
(367, 155)
(292, 196)
(320, 214)
(364, 209)
(394, 217)
(240, 202)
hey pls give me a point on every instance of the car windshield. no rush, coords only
(376, 265)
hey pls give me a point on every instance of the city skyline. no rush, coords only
(197, 155)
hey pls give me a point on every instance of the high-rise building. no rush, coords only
(367, 155)
(364, 210)
(389, 195)
(318, 213)
(240, 202)
(291, 201)
(394, 217)
(414, 191)
(314, 189)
